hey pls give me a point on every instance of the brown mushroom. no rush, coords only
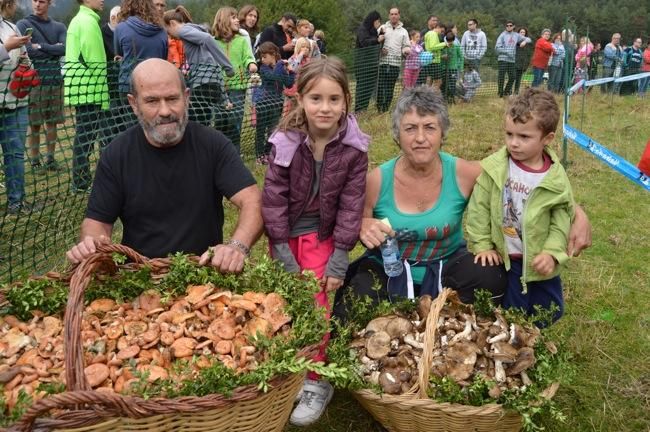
(147, 301)
(96, 374)
(398, 327)
(128, 352)
(258, 325)
(255, 297)
(101, 305)
(243, 304)
(183, 347)
(196, 293)
(389, 381)
(223, 328)
(424, 306)
(525, 359)
(378, 345)
(379, 324)
(52, 326)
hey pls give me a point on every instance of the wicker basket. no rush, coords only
(82, 409)
(415, 412)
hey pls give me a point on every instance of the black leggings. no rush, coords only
(366, 277)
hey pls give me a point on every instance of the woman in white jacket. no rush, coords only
(13, 111)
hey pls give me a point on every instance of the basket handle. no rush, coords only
(430, 341)
(73, 349)
(109, 402)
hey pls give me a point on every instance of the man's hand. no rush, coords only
(330, 283)
(489, 256)
(225, 258)
(544, 264)
(580, 234)
(85, 248)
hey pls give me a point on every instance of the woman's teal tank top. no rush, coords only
(433, 234)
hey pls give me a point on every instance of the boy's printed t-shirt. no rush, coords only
(520, 183)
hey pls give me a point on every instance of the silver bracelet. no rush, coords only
(239, 245)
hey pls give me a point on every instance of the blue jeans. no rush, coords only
(235, 116)
(543, 293)
(538, 77)
(554, 78)
(13, 131)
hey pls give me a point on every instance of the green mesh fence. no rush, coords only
(46, 176)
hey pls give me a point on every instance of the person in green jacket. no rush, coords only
(237, 48)
(452, 62)
(522, 205)
(86, 87)
(434, 42)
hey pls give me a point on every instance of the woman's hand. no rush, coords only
(13, 42)
(489, 256)
(252, 68)
(330, 283)
(374, 232)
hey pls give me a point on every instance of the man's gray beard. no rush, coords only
(169, 139)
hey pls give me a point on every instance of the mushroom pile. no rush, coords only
(145, 335)
(464, 346)
(390, 348)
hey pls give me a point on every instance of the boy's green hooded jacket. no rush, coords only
(546, 220)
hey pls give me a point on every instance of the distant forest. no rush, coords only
(339, 18)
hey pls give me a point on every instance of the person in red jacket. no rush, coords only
(312, 202)
(543, 51)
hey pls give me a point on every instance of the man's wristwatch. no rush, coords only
(240, 246)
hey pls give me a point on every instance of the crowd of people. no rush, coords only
(438, 56)
(170, 162)
(99, 60)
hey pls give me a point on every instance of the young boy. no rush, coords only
(471, 81)
(452, 62)
(268, 98)
(525, 194)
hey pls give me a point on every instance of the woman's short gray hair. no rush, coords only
(425, 101)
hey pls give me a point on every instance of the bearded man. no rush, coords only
(166, 178)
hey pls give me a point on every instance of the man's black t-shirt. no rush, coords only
(169, 200)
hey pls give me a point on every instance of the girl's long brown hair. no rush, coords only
(331, 68)
(143, 9)
(242, 18)
(221, 28)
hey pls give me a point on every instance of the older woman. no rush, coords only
(423, 194)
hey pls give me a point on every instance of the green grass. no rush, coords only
(606, 326)
(607, 323)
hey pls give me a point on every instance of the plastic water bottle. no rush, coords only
(393, 266)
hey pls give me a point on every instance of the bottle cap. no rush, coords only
(387, 222)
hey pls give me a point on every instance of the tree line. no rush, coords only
(339, 18)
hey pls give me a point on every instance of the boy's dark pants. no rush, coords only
(543, 293)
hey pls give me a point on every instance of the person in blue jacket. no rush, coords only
(139, 35)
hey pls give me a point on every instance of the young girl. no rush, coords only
(412, 64)
(301, 56)
(275, 76)
(312, 202)
(205, 62)
(237, 47)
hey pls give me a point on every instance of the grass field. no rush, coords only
(606, 327)
(607, 322)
